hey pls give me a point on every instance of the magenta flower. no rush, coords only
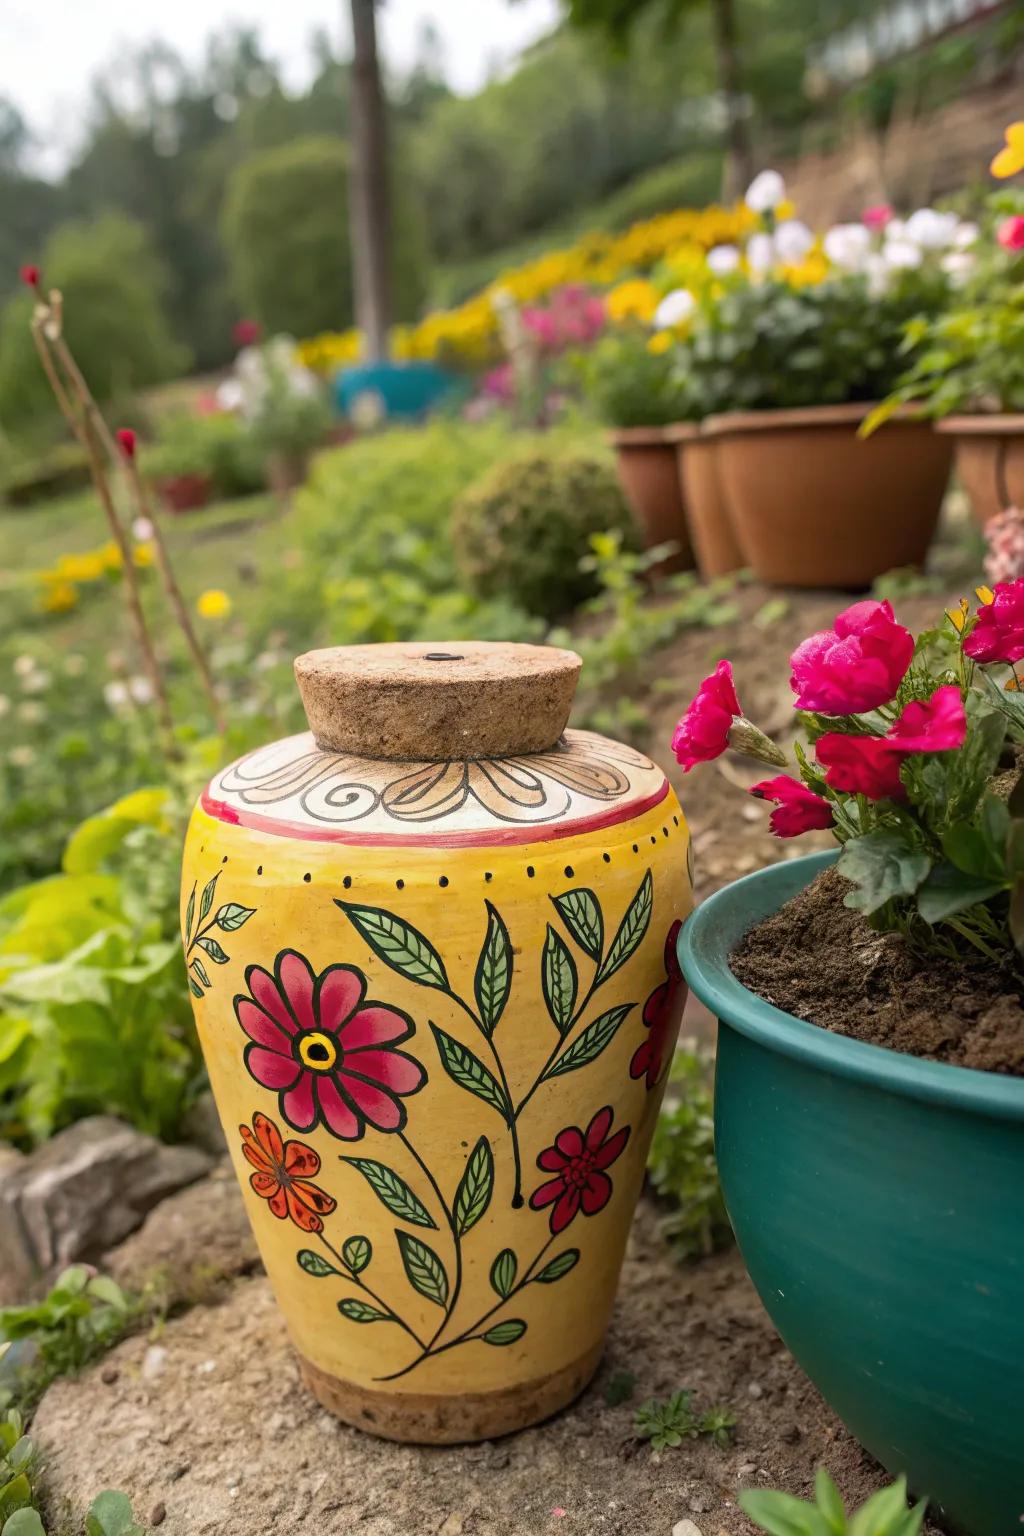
(799, 808)
(703, 732)
(856, 665)
(1010, 233)
(938, 724)
(578, 1162)
(877, 216)
(861, 765)
(998, 632)
(325, 1048)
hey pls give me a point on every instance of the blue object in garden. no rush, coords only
(396, 390)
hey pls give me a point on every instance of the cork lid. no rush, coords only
(439, 700)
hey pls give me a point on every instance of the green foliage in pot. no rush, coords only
(885, 1513)
(631, 380)
(524, 528)
(969, 357)
(216, 445)
(769, 346)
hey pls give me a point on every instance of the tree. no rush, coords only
(370, 208)
(616, 18)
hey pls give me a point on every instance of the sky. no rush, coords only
(49, 52)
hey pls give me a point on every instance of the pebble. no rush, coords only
(179, 1471)
(207, 1367)
(158, 1514)
(755, 1390)
(153, 1362)
(686, 1528)
(109, 1375)
(745, 1469)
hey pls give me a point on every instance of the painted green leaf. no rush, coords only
(469, 1072)
(357, 1252)
(558, 980)
(194, 987)
(200, 970)
(503, 1272)
(580, 910)
(190, 912)
(424, 1269)
(392, 1190)
(560, 1265)
(589, 1045)
(631, 930)
(362, 1312)
(473, 1195)
(207, 901)
(505, 1333)
(398, 944)
(493, 980)
(315, 1264)
(232, 915)
(213, 949)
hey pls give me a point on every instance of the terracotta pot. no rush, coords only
(814, 505)
(647, 471)
(711, 530)
(185, 493)
(431, 952)
(989, 460)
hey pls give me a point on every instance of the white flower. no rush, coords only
(723, 259)
(848, 246)
(21, 757)
(142, 530)
(896, 229)
(878, 273)
(793, 240)
(931, 230)
(760, 253)
(141, 690)
(966, 235)
(35, 682)
(765, 192)
(115, 695)
(958, 265)
(675, 309)
(230, 395)
(901, 254)
(5, 705)
(31, 712)
(24, 665)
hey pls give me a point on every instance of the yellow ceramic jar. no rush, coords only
(437, 994)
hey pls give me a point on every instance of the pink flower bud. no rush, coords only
(877, 216)
(126, 441)
(30, 275)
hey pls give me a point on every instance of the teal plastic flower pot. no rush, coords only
(878, 1202)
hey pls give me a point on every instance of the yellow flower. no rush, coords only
(142, 555)
(110, 556)
(660, 342)
(59, 597)
(213, 604)
(958, 616)
(633, 300)
(985, 595)
(1010, 158)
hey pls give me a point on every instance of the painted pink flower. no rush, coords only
(861, 765)
(325, 1048)
(578, 1160)
(1010, 233)
(662, 1012)
(799, 809)
(998, 632)
(938, 724)
(877, 216)
(703, 732)
(856, 665)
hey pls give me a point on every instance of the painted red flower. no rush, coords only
(327, 1049)
(662, 1012)
(578, 1162)
(283, 1171)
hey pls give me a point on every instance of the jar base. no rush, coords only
(435, 1418)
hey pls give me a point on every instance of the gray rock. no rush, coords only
(84, 1191)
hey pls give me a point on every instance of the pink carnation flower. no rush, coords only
(938, 724)
(856, 665)
(703, 732)
(861, 765)
(998, 633)
(799, 809)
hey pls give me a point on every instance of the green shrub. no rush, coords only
(216, 445)
(522, 530)
(628, 385)
(285, 227)
(113, 287)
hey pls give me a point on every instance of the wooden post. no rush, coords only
(369, 201)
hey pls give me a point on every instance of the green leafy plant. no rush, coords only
(629, 382)
(885, 1513)
(18, 1463)
(667, 1423)
(78, 1320)
(619, 1388)
(214, 444)
(681, 1166)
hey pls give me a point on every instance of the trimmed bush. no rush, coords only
(522, 530)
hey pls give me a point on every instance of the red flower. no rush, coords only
(327, 1049)
(1010, 233)
(799, 808)
(247, 333)
(283, 1171)
(862, 765)
(856, 665)
(703, 732)
(30, 275)
(578, 1162)
(662, 1012)
(126, 441)
(998, 632)
(938, 724)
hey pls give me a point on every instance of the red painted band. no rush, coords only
(496, 838)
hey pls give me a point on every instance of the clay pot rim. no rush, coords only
(705, 944)
(682, 431)
(639, 437)
(850, 414)
(978, 424)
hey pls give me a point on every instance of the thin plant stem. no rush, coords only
(93, 413)
(351, 1275)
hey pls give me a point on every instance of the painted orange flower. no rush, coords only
(283, 1171)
